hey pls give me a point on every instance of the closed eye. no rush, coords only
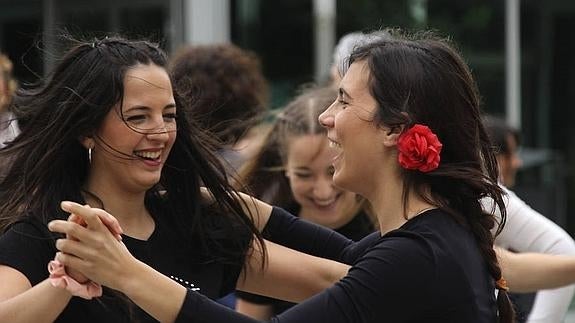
(136, 118)
(170, 116)
(303, 175)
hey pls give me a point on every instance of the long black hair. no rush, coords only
(422, 79)
(48, 163)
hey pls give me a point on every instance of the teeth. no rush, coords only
(148, 154)
(324, 203)
(334, 144)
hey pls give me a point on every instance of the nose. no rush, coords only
(160, 132)
(323, 188)
(326, 118)
(162, 136)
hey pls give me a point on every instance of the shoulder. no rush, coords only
(28, 246)
(28, 228)
(401, 248)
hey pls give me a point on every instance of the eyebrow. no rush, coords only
(145, 108)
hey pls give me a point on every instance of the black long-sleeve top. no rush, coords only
(428, 270)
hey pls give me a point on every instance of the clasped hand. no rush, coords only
(92, 248)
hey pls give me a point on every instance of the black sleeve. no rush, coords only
(390, 282)
(285, 229)
(28, 247)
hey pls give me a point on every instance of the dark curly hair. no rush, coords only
(221, 87)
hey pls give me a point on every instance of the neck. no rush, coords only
(387, 202)
(128, 208)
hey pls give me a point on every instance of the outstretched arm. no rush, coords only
(529, 272)
(288, 274)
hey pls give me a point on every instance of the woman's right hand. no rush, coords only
(110, 222)
(92, 247)
(99, 255)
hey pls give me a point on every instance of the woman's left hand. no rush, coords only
(91, 248)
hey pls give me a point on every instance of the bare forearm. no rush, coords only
(289, 275)
(41, 303)
(155, 293)
(529, 272)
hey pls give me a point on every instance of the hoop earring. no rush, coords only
(90, 155)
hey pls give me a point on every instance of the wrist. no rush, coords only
(133, 278)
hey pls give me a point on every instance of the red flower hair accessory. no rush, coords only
(419, 148)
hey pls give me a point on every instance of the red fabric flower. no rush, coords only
(419, 148)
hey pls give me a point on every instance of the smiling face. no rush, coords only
(135, 138)
(309, 170)
(357, 140)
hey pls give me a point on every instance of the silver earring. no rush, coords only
(90, 155)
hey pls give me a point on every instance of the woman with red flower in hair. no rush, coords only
(408, 136)
(408, 129)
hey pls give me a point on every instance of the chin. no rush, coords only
(149, 183)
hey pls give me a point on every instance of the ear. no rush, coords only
(87, 142)
(391, 135)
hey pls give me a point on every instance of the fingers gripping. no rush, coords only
(92, 218)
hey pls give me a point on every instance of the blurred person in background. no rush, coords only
(506, 141)
(223, 89)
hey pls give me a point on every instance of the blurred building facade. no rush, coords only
(520, 51)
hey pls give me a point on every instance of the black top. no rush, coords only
(356, 229)
(428, 270)
(28, 246)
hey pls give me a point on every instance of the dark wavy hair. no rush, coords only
(49, 164)
(222, 87)
(422, 79)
